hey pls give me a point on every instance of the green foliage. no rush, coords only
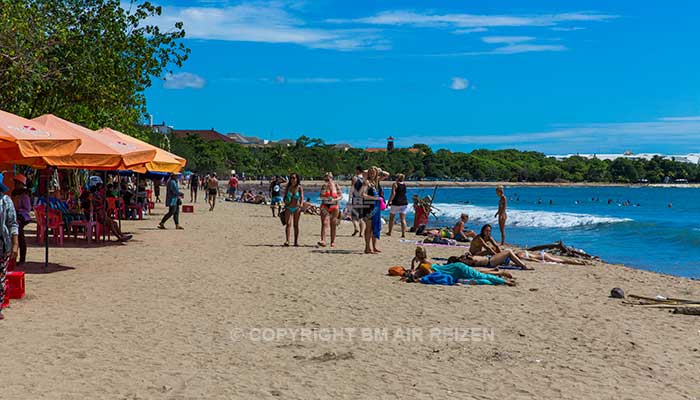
(88, 61)
(312, 158)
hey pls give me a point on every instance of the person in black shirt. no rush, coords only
(399, 204)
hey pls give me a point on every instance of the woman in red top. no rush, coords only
(331, 195)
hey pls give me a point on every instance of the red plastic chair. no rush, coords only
(112, 206)
(55, 224)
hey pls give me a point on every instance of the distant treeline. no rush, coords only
(312, 158)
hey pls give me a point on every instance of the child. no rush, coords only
(460, 234)
(501, 213)
(421, 265)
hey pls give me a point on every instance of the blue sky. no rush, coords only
(553, 76)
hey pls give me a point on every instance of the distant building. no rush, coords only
(162, 128)
(342, 146)
(286, 142)
(246, 140)
(208, 135)
(390, 143)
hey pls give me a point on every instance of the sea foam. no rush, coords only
(525, 218)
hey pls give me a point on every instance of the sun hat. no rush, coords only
(21, 178)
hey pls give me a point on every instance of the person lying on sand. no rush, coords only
(484, 244)
(422, 266)
(505, 257)
(546, 258)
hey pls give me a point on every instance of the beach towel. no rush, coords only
(437, 278)
(377, 221)
(461, 271)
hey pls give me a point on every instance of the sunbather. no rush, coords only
(505, 257)
(484, 244)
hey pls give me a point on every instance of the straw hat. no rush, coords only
(21, 179)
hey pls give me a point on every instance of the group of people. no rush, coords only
(210, 184)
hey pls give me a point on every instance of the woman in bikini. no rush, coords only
(505, 257)
(293, 199)
(484, 244)
(501, 213)
(399, 204)
(330, 208)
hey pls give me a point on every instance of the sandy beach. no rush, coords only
(209, 313)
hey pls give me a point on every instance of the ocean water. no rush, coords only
(627, 225)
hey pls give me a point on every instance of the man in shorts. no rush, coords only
(212, 190)
(276, 195)
(232, 186)
(194, 186)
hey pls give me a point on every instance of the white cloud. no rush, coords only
(692, 118)
(506, 39)
(266, 22)
(418, 19)
(469, 30)
(459, 83)
(514, 48)
(677, 133)
(183, 80)
(567, 29)
(283, 80)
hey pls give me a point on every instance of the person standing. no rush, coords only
(205, 186)
(293, 200)
(276, 195)
(371, 211)
(399, 204)
(356, 202)
(232, 186)
(172, 200)
(330, 208)
(9, 237)
(212, 190)
(501, 213)
(23, 207)
(194, 186)
(156, 189)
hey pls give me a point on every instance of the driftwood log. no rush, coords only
(687, 310)
(564, 250)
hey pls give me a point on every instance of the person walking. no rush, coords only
(172, 200)
(399, 204)
(331, 194)
(194, 186)
(356, 202)
(501, 214)
(212, 190)
(9, 237)
(276, 195)
(293, 200)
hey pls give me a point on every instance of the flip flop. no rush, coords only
(322, 244)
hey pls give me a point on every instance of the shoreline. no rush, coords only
(456, 184)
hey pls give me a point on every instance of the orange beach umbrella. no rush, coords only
(98, 150)
(162, 162)
(21, 139)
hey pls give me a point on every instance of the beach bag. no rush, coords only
(283, 216)
(382, 204)
(397, 271)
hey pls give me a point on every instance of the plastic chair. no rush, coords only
(89, 228)
(55, 224)
(138, 208)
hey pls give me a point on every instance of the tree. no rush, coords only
(88, 61)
